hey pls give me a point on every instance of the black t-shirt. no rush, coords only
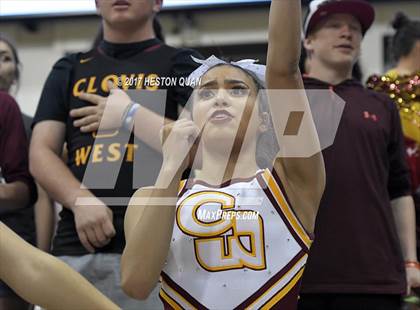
(356, 247)
(106, 163)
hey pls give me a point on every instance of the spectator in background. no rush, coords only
(365, 228)
(17, 189)
(357, 73)
(402, 84)
(157, 27)
(44, 215)
(10, 77)
(90, 237)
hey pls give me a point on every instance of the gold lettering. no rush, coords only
(111, 77)
(91, 87)
(130, 151)
(97, 152)
(82, 155)
(152, 82)
(140, 81)
(76, 89)
(114, 152)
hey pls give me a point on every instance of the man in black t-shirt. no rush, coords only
(90, 234)
(365, 226)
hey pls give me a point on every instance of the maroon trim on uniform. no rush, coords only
(100, 51)
(280, 184)
(270, 282)
(147, 50)
(191, 183)
(181, 291)
(152, 48)
(166, 305)
(270, 196)
(183, 189)
(289, 301)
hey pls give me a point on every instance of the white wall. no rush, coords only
(39, 50)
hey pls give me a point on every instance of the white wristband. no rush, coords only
(129, 118)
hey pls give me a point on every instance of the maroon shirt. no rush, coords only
(14, 164)
(356, 247)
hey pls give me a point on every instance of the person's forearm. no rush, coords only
(284, 36)
(151, 213)
(44, 220)
(44, 280)
(405, 221)
(13, 196)
(55, 177)
(147, 126)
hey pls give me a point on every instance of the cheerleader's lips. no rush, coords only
(221, 116)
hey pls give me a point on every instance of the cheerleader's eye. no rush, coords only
(206, 94)
(239, 91)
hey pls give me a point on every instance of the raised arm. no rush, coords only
(283, 41)
(299, 162)
(44, 280)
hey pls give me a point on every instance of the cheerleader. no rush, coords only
(236, 235)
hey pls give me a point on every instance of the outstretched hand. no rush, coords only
(105, 113)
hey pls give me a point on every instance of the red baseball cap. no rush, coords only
(321, 9)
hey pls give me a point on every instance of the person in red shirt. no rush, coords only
(41, 230)
(365, 226)
(17, 188)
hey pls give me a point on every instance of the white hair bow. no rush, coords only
(207, 64)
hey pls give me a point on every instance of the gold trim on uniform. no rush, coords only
(182, 298)
(284, 206)
(169, 300)
(285, 289)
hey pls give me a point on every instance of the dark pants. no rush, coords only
(349, 302)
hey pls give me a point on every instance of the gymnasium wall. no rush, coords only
(39, 48)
